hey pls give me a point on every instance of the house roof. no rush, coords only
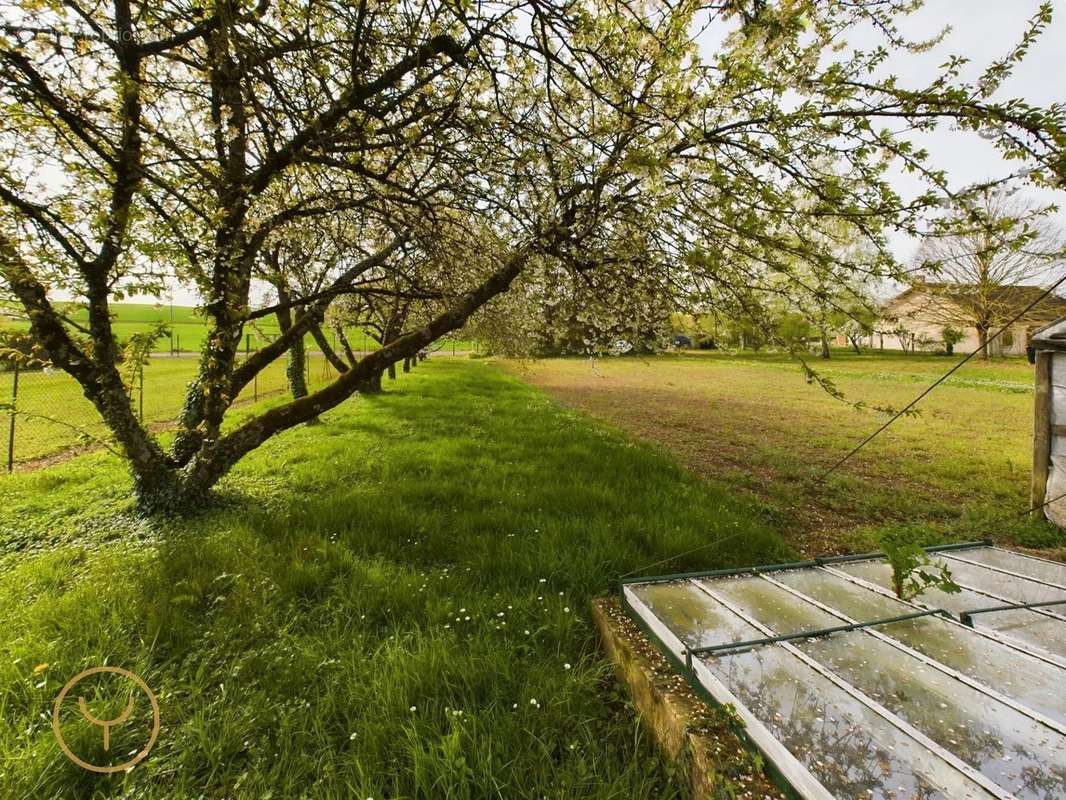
(1050, 337)
(1013, 299)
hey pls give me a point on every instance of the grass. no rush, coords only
(958, 470)
(393, 604)
(55, 415)
(190, 330)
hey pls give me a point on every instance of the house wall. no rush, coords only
(911, 311)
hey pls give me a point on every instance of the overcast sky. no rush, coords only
(982, 30)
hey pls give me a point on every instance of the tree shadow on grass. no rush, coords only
(432, 548)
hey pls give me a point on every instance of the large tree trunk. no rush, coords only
(218, 456)
(392, 372)
(407, 364)
(162, 484)
(296, 369)
(825, 345)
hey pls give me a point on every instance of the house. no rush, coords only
(916, 319)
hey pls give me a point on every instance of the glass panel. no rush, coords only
(1029, 628)
(857, 602)
(692, 616)
(1019, 754)
(851, 750)
(772, 606)
(1013, 588)
(1034, 683)
(1005, 745)
(1015, 562)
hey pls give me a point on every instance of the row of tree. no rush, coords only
(408, 165)
(975, 273)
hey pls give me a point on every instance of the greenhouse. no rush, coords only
(851, 692)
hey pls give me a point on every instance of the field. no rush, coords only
(393, 604)
(751, 423)
(189, 329)
(54, 416)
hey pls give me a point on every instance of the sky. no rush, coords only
(981, 30)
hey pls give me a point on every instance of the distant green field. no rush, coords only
(55, 416)
(189, 329)
(959, 468)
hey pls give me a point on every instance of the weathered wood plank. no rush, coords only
(1041, 429)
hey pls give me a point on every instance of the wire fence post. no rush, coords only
(247, 355)
(11, 421)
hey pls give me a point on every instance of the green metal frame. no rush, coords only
(732, 647)
(700, 691)
(966, 617)
(815, 562)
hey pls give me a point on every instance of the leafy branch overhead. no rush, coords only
(578, 165)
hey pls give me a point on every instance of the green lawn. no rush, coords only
(393, 604)
(959, 469)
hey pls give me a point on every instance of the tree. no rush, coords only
(519, 141)
(913, 570)
(989, 246)
(952, 336)
(859, 324)
(794, 329)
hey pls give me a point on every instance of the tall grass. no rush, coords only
(391, 604)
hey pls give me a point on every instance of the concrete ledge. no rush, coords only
(710, 756)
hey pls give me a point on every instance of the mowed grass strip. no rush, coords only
(959, 469)
(392, 604)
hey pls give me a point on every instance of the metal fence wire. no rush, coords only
(47, 415)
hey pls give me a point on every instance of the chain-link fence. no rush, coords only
(46, 415)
